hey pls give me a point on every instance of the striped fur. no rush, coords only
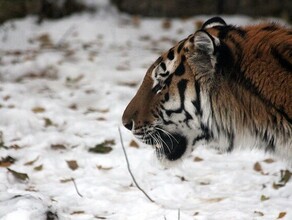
(224, 86)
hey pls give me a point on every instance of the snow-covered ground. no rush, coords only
(63, 87)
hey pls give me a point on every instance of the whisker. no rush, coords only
(167, 133)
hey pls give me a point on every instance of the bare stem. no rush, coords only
(129, 169)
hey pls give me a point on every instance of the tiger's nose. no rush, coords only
(128, 124)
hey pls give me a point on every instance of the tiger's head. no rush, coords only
(166, 112)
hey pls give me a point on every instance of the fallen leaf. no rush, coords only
(264, 198)
(99, 217)
(17, 175)
(101, 119)
(269, 160)
(198, 159)
(257, 167)
(258, 213)
(7, 161)
(29, 163)
(123, 67)
(196, 213)
(166, 24)
(285, 177)
(38, 168)
(136, 20)
(281, 215)
(58, 147)
(129, 84)
(38, 109)
(77, 212)
(15, 147)
(103, 168)
(75, 80)
(48, 122)
(134, 144)
(213, 200)
(204, 183)
(66, 180)
(103, 148)
(72, 164)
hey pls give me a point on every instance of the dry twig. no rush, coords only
(129, 169)
(76, 188)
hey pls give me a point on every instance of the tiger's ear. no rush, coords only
(206, 46)
(214, 22)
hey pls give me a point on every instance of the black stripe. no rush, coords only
(163, 66)
(181, 44)
(170, 54)
(286, 64)
(231, 142)
(180, 70)
(270, 143)
(164, 74)
(198, 138)
(271, 27)
(253, 89)
(197, 102)
(182, 85)
(181, 89)
(224, 31)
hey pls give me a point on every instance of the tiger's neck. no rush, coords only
(237, 118)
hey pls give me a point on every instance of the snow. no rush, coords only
(64, 94)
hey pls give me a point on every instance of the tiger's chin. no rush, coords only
(172, 147)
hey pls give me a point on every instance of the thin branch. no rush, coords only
(129, 169)
(178, 214)
(76, 188)
(65, 35)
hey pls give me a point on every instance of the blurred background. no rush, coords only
(55, 9)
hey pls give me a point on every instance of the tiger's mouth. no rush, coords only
(171, 146)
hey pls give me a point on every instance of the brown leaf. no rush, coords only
(17, 175)
(129, 84)
(58, 147)
(269, 160)
(258, 213)
(38, 168)
(285, 177)
(48, 122)
(123, 67)
(38, 109)
(257, 167)
(204, 183)
(103, 148)
(198, 159)
(103, 168)
(72, 164)
(281, 215)
(134, 144)
(101, 119)
(66, 180)
(213, 200)
(29, 163)
(264, 198)
(6, 161)
(77, 212)
(166, 24)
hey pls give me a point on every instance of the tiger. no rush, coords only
(226, 87)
